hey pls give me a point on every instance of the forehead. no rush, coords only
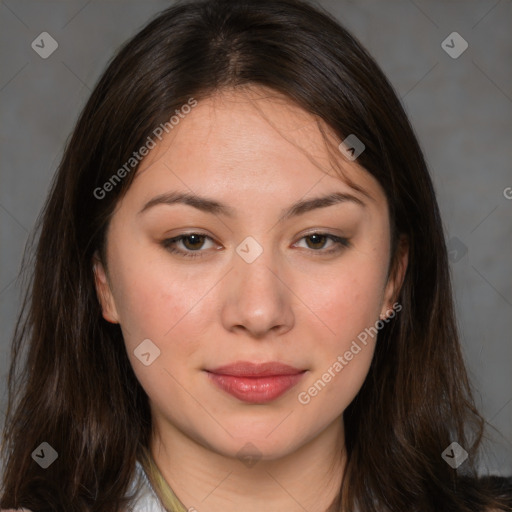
(253, 138)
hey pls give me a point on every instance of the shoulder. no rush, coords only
(144, 500)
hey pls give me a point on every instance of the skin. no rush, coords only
(258, 154)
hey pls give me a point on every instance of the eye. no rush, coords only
(192, 242)
(318, 241)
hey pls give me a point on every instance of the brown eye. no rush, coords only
(316, 242)
(193, 242)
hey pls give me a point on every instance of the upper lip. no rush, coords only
(248, 369)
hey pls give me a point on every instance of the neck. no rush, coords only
(309, 478)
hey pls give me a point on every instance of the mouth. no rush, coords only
(256, 383)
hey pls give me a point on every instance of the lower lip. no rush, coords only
(256, 390)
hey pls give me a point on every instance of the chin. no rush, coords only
(252, 446)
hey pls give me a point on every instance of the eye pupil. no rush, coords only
(197, 241)
(317, 239)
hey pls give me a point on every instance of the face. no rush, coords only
(250, 272)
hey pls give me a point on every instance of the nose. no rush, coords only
(258, 299)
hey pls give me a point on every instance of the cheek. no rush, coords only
(349, 304)
(157, 302)
(348, 300)
(170, 313)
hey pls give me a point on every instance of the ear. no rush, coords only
(103, 290)
(396, 276)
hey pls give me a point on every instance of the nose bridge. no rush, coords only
(257, 300)
(257, 268)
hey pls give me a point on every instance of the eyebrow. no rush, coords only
(212, 206)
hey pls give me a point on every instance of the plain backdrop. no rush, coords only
(460, 108)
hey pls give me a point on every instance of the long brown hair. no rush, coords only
(71, 383)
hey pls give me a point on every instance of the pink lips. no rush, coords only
(256, 383)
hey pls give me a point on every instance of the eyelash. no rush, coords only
(169, 242)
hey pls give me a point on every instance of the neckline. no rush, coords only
(147, 492)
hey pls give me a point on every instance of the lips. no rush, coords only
(256, 383)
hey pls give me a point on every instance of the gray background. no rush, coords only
(461, 110)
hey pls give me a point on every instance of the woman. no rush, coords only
(241, 296)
